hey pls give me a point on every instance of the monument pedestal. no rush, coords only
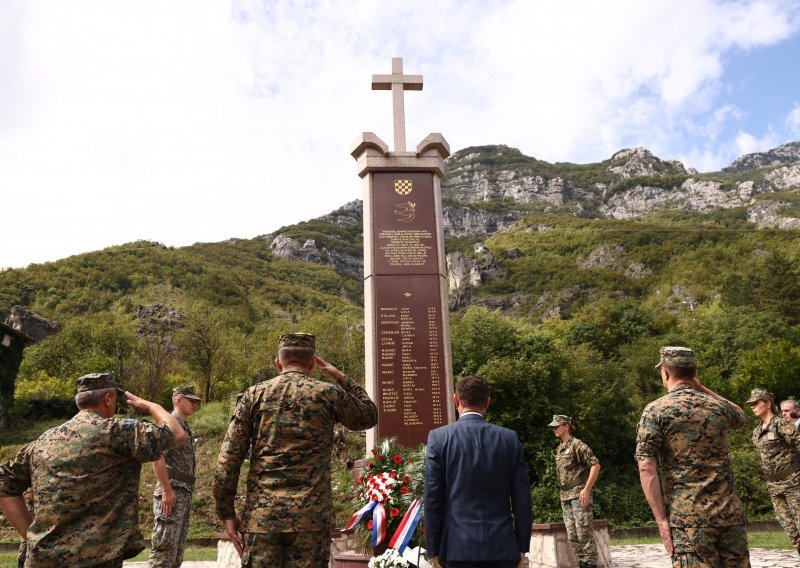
(550, 547)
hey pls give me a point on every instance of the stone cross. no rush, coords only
(397, 83)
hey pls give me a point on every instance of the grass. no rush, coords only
(756, 539)
(9, 559)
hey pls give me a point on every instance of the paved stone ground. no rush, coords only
(640, 556)
(653, 556)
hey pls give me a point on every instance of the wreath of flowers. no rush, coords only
(394, 478)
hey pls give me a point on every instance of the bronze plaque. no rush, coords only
(404, 223)
(410, 370)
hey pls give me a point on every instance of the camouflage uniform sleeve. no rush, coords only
(15, 475)
(736, 416)
(231, 455)
(586, 455)
(789, 434)
(649, 438)
(355, 408)
(143, 441)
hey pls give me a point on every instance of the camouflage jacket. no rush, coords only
(85, 480)
(180, 462)
(573, 461)
(686, 433)
(285, 426)
(778, 444)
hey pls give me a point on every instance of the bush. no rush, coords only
(211, 419)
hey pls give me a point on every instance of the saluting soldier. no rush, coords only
(172, 497)
(84, 477)
(778, 442)
(577, 469)
(285, 426)
(684, 434)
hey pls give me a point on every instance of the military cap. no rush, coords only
(681, 356)
(187, 391)
(97, 381)
(296, 340)
(760, 394)
(559, 420)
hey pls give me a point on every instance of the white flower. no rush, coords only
(389, 559)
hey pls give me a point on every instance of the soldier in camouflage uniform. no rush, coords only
(172, 498)
(285, 426)
(778, 442)
(684, 434)
(577, 469)
(85, 479)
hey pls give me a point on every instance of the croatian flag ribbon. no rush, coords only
(408, 525)
(359, 515)
(378, 524)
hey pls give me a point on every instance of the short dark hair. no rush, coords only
(473, 391)
(90, 399)
(300, 355)
(682, 371)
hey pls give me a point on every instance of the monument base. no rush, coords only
(550, 547)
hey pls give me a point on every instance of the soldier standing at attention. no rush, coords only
(577, 469)
(172, 498)
(778, 442)
(85, 480)
(285, 426)
(684, 434)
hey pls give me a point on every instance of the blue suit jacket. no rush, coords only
(475, 479)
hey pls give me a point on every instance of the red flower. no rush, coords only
(394, 511)
(360, 481)
(423, 530)
(405, 490)
(374, 451)
(369, 524)
(393, 474)
(398, 458)
(380, 458)
(406, 479)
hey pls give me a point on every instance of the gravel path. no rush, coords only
(640, 556)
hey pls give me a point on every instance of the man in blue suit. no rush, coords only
(477, 493)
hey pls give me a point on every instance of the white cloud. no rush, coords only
(793, 120)
(201, 119)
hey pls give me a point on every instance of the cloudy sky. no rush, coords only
(201, 120)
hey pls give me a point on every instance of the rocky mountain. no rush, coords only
(782, 155)
(490, 189)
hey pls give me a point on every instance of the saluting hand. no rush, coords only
(330, 370)
(138, 403)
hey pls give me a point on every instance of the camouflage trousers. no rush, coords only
(170, 532)
(710, 547)
(579, 529)
(787, 510)
(286, 550)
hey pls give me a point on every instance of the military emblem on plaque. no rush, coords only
(405, 211)
(403, 186)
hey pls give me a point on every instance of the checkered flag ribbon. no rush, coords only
(403, 186)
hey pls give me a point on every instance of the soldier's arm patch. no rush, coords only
(787, 430)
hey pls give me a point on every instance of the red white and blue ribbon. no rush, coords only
(408, 525)
(378, 524)
(359, 515)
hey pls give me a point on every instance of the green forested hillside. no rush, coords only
(567, 317)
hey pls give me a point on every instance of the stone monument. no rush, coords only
(408, 362)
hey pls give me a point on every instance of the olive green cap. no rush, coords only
(97, 381)
(559, 420)
(187, 391)
(760, 394)
(681, 356)
(296, 340)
